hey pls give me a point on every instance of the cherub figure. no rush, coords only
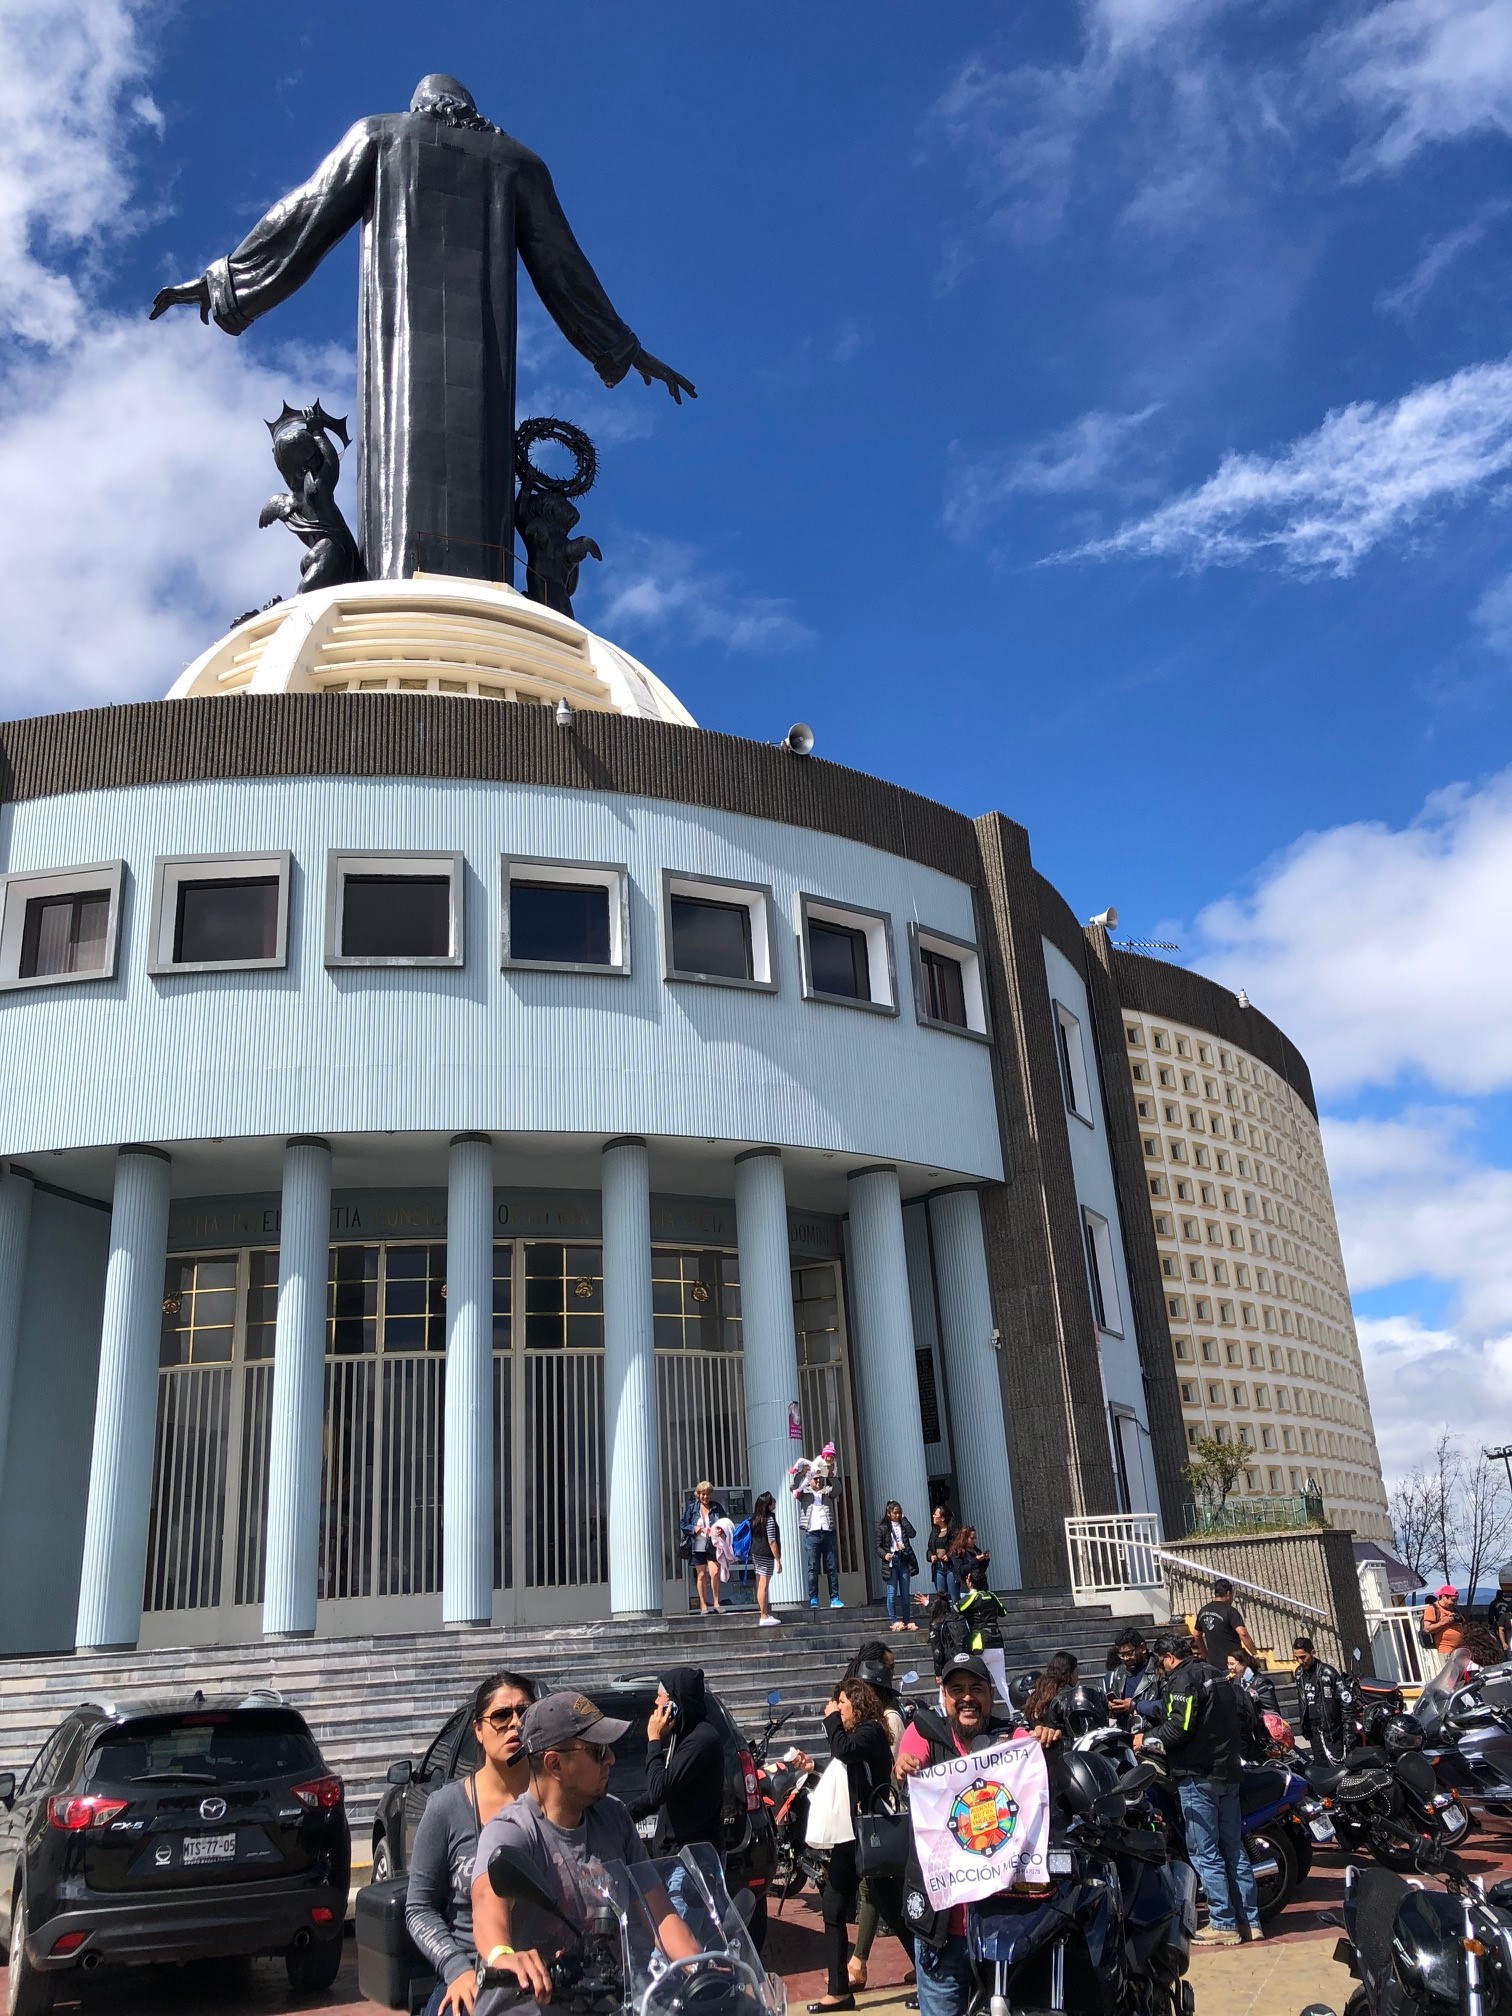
(308, 462)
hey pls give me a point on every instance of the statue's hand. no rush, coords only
(195, 293)
(651, 367)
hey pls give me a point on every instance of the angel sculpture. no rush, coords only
(308, 462)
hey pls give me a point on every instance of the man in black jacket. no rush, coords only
(1321, 1709)
(685, 1761)
(1133, 1679)
(1200, 1737)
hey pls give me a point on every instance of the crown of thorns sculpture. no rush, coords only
(573, 439)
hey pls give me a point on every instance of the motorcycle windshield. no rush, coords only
(1432, 1704)
(722, 1976)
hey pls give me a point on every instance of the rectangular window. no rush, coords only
(60, 926)
(571, 915)
(1102, 1274)
(394, 910)
(948, 992)
(219, 912)
(1073, 1062)
(718, 933)
(846, 954)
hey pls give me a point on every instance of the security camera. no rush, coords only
(799, 739)
(1107, 918)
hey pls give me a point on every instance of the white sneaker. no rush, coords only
(768, 1620)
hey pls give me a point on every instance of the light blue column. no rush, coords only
(771, 1348)
(120, 1471)
(635, 1515)
(299, 1354)
(882, 1357)
(977, 1427)
(15, 1231)
(467, 1488)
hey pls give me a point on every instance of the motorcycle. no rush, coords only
(1283, 1822)
(1368, 1704)
(613, 1962)
(1414, 1950)
(784, 1788)
(1466, 1717)
(1111, 1934)
(1389, 1805)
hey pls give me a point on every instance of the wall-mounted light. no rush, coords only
(563, 713)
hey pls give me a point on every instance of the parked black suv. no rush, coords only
(173, 1831)
(749, 1853)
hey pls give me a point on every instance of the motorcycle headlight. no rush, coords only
(1060, 1862)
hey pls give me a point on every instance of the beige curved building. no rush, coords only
(1256, 1295)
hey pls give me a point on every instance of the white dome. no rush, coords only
(436, 633)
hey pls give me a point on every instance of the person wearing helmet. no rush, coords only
(971, 1721)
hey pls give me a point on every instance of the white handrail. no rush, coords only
(1259, 1589)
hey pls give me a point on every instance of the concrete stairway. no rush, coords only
(370, 1700)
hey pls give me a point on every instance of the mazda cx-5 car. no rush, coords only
(173, 1831)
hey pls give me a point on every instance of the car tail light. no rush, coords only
(72, 1813)
(68, 1942)
(321, 1795)
(321, 1914)
(748, 1779)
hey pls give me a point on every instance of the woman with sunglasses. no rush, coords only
(438, 1902)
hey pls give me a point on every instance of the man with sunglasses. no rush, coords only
(567, 1818)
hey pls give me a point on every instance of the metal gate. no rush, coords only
(700, 1384)
(824, 1396)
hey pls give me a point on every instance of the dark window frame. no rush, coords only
(831, 914)
(611, 876)
(170, 873)
(924, 938)
(24, 887)
(755, 898)
(422, 865)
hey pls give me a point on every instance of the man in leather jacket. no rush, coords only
(973, 1720)
(1200, 1738)
(1135, 1678)
(1320, 1705)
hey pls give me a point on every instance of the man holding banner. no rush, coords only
(979, 1804)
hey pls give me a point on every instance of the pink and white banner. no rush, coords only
(981, 1824)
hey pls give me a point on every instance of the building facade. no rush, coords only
(1261, 1329)
(442, 1123)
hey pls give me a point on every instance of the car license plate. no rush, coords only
(647, 1828)
(209, 1848)
(1321, 1829)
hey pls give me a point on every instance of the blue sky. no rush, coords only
(1105, 415)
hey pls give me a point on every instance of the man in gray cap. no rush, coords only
(566, 1818)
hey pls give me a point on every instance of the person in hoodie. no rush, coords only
(685, 1762)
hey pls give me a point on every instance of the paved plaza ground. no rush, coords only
(1293, 1967)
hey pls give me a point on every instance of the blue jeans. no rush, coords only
(897, 1592)
(819, 1548)
(1215, 1849)
(947, 1979)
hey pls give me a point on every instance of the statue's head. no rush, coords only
(439, 93)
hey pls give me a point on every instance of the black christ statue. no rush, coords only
(445, 201)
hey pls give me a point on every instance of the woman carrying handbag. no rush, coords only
(895, 1537)
(858, 1740)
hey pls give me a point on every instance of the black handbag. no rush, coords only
(883, 1835)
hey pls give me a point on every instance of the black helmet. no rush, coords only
(1402, 1732)
(1084, 1708)
(876, 1673)
(1020, 1687)
(1087, 1777)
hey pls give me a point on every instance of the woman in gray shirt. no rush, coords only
(438, 1902)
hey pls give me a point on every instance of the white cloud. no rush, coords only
(1421, 71)
(1383, 950)
(70, 77)
(1082, 456)
(1321, 504)
(1407, 297)
(663, 588)
(1421, 1380)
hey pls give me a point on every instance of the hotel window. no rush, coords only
(1132, 1032)
(947, 975)
(1073, 1063)
(718, 933)
(846, 955)
(394, 909)
(219, 912)
(1267, 1438)
(1141, 1073)
(571, 916)
(1216, 1396)
(1102, 1274)
(60, 926)
(1188, 1393)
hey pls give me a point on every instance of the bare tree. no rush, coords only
(1452, 1516)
